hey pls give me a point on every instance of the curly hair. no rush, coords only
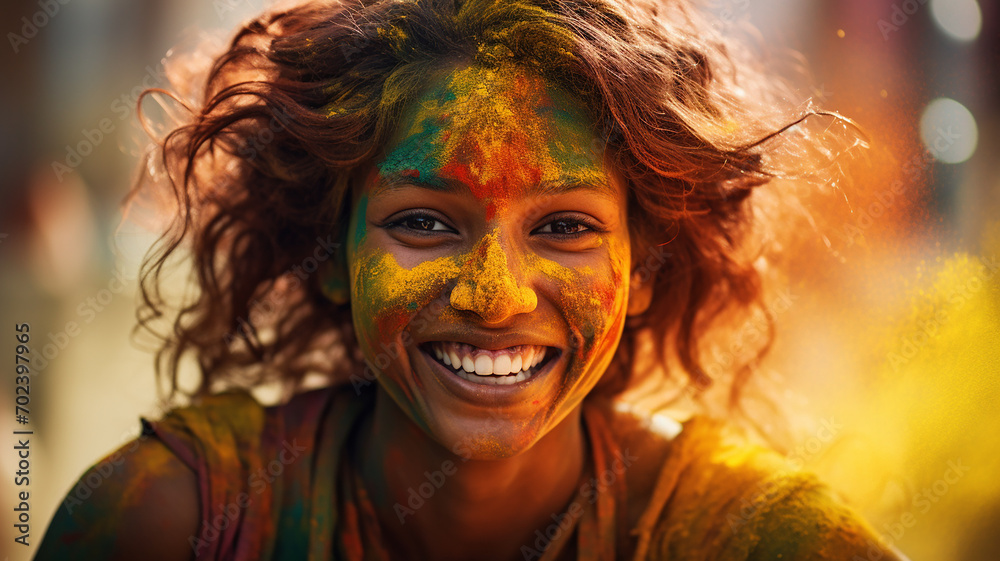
(304, 97)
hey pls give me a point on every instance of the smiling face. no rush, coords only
(489, 261)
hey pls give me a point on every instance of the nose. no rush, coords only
(488, 287)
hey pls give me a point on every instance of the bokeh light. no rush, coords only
(960, 20)
(949, 131)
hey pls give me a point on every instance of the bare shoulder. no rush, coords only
(140, 502)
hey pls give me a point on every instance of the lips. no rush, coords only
(492, 367)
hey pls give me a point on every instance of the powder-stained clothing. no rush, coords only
(279, 483)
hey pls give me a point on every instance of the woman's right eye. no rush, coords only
(419, 223)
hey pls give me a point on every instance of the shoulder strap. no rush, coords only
(265, 474)
(220, 439)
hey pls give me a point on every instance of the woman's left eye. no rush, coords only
(564, 227)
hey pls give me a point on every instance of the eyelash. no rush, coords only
(590, 227)
(400, 223)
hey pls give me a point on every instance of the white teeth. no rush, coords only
(528, 355)
(484, 365)
(505, 369)
(468, 365)
(501, 365)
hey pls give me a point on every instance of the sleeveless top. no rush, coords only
(278, 483)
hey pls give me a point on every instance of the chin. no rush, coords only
(488, 439)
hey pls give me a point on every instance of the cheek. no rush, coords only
(387, 296)
(592, 299)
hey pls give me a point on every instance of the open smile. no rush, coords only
(501, 367)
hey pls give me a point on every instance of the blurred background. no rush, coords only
(889, 326)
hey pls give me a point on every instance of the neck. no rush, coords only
(434, 504)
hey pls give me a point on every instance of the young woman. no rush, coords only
(479, 222)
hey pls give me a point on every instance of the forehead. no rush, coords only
(494, 96)
(497, 131)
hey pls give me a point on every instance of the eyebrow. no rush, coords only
(567, 184)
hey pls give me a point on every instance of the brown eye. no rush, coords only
(423, 223)
(564, 227)
(419, 223)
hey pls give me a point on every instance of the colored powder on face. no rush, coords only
(590, 299)
(505, 134)
(498, 131)
(585, 313)
(567, 276)
(489, 288)
(360, 226)
(388, 293)
(485, 284)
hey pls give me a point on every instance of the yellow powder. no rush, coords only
(489, 278)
